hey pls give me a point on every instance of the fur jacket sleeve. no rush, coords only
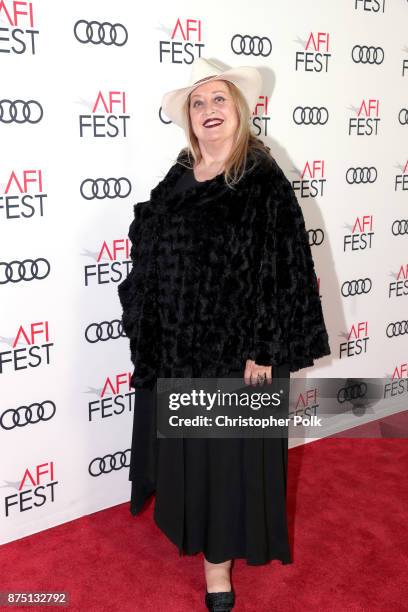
(138, 296)
(220, 276)
(289, 322)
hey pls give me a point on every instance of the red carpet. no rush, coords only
(348, 512)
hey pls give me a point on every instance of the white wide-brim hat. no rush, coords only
(246, 78)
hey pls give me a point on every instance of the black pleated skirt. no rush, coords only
(230, 500)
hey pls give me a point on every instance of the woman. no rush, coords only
(222, 285)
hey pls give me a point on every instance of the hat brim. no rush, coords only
(246, 78)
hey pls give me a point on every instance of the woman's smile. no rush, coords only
(213, 122)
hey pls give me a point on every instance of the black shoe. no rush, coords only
(221, 601)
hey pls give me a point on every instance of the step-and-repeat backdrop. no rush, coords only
(83, 138)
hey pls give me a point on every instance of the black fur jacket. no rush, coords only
(220, 276)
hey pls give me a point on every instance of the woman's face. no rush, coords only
(213, 113)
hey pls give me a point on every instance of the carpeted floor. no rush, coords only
(348, 513)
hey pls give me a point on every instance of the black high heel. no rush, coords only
(221, 601)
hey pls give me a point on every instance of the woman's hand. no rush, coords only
(257, 374)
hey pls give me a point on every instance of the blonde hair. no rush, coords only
(245, 140)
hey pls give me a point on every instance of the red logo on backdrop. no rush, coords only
(367, 118)
(19, 35)
(35, 353)
(398, 386)
(306, 404)
(185, 43)
(400, 371)
(357, 341)
(260, 119)
(399, 287)
(361, 235)
(41, 483)
(112, 271)
(312, 179)
(108, 118)
(116, 397)
(23, 196)
(401, 180)
(316, 56)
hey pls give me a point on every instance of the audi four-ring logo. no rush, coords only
(20, 111)
(101, 188)
(361, 175)
(244, 44)
(352, 392)
(105, 330)
(307, 115)
(27, 415)
(397, 328)
(109, 463)
(361, 54)
(403, 116)
(400, 227)
(27, 270)
(316, 237)
(356, 287)
(100, 33)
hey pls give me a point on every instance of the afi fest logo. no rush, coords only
(356, 343)
(315, 57)
(185, 43)
(401, 179)
(369, 6)
(115, 397)
(398, 386)
(360, 236)
(41, 483)
(305, 405)
(23, 196)
(17, 28)
(36, 350)
(312, 180)
(114, 269)
(399, 287)
(260, 119)
(108, 116)
(367, 118)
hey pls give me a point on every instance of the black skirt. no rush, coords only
(223, 497)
